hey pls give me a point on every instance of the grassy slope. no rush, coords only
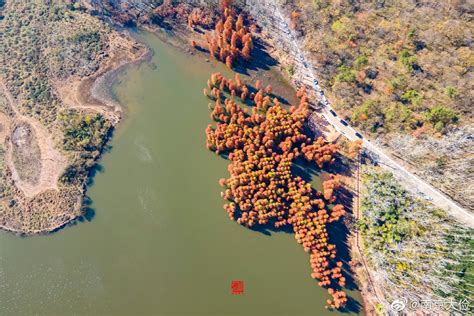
(400, 70)
(40, 44)
(415, 251)
(392, 65)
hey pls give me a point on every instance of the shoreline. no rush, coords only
(96, 97)
(97, 89)
(100, 89)
(180, 41)
(326, 130)
(99, 92)
(368, 297)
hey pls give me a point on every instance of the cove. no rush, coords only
(160, 242)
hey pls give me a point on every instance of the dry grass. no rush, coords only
(43, 44)
(402, 72)
(385, 70)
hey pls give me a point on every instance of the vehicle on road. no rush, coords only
(333, 113)
(315, 81)
(358, 135)
(321, 93)
(305, 64)
(343, 122)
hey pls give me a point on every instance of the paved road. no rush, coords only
(413, 183)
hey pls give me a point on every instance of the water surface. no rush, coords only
(160, 242)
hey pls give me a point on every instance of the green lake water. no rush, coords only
(160, 242)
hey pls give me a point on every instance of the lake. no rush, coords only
(160, 242)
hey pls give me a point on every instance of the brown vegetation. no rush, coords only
(262, 146)
(391, 72)
(405, 79)
(43, 45)
(231, 39)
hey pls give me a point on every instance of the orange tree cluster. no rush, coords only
(199, 17)
(329, 186)
(262, 146)
(170, 11)
(230, 39)
(354, 149)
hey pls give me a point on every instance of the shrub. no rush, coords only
(361, 60)
(407, 59)
(291, 70)
(440, 116)
(337, 26)
(406, 238)
(397, 82)
(85, 132)
(412, 96)
(450, 92)
(345, 74)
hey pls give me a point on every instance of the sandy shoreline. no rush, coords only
(101, 87)
(93, 93)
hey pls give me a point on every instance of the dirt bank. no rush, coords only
(34, 201)
(92, 93)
